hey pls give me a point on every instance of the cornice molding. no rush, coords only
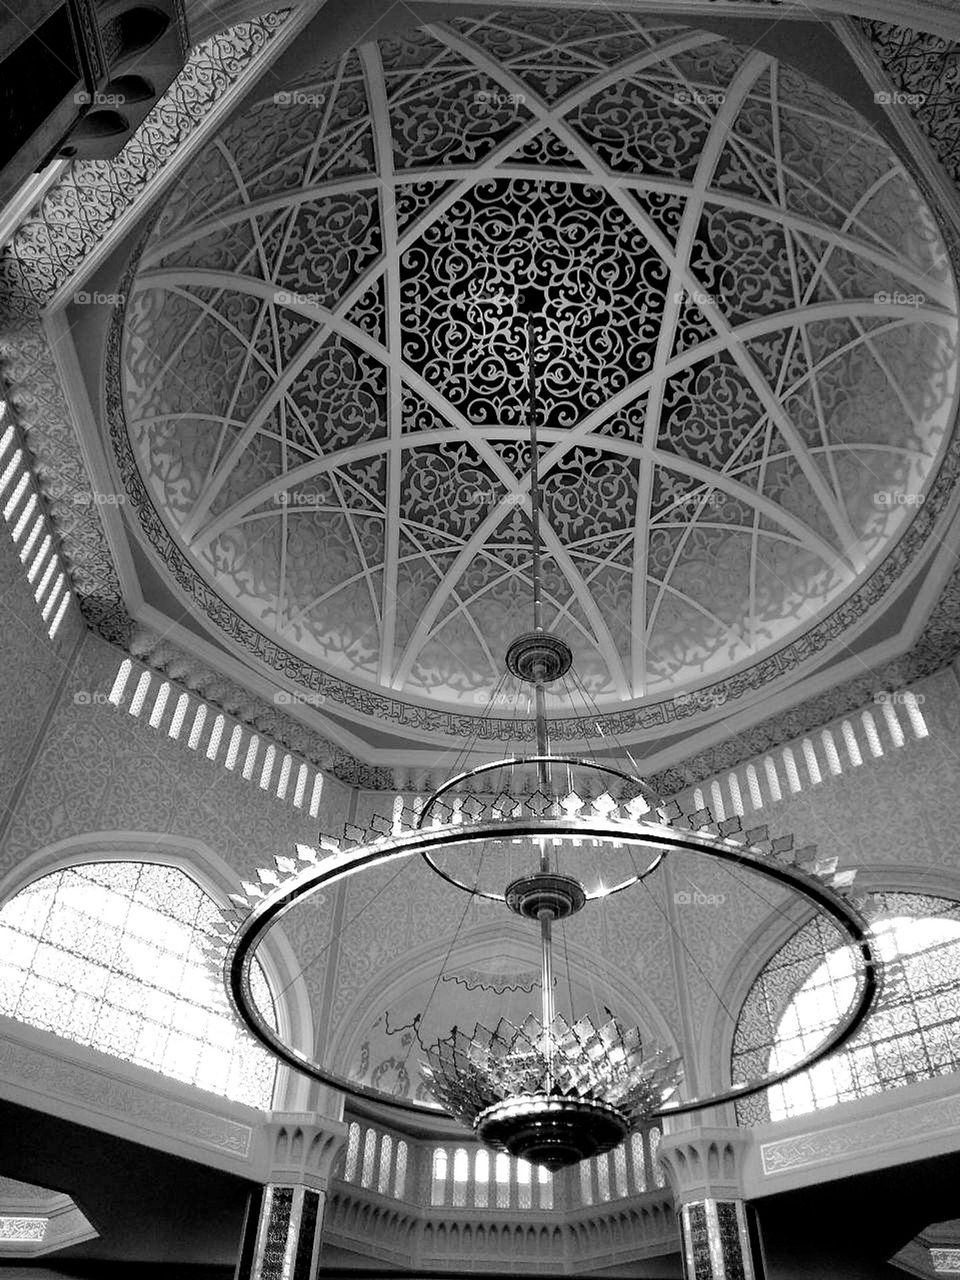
(893, 1128)
(58, 1079)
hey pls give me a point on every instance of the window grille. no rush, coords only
(913, 1033)
(110, 955)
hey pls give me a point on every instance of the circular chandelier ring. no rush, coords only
(240, 953)
(641, 787)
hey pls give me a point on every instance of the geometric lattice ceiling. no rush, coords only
(747, 368)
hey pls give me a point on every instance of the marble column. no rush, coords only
(282, 1238)
(718, 1236)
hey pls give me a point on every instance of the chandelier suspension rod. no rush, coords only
(548, 1008)
(540, 713)
(534, 471)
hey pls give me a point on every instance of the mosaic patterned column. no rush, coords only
(716, 1241)
(282, 1239)
(288, 1237)
(703, 1168)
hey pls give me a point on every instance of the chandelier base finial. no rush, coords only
(551, 1130)
(545, 891)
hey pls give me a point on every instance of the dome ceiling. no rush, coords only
(747, 368)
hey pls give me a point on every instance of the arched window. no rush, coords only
(501, 1173)
(439, 1184)
(870, 732)
(233, 750)
(753, 785)
(284, 780)
(716, 800)
(176, 724)
(524, 1185)
(156, 715)
(109, 955)
(216, 733)
(120, 683)
(790, 769)
(369, 1158)
(481, 1178)
(659, 1177)
(301, 786)
(253, 746)
(850, 741)
(314, 809)
(139, 694)
(773, 778)
(620, 1171)
(266, 771)
(386, 1153)
(400, 1173)
(911, 703)
(353, 1153)
(638, 1163)
(813, 764)
(736, 799)
(461, 1171)
(893, 722)
(830, 752)
(397, 818)
(545, 1181)
(912, 1034)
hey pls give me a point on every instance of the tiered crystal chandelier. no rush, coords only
(550, 1090)
(546, 1091)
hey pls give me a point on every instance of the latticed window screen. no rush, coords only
(386, 1152)
(620, 1171)
(603, 1176)
(353, 1152)
(439, 1179)
(109, 955)
(524, 1187)
(369, 1157)
(461, 1171)
(638, 1163)
(912, 1034)
(501, 1174)
(481, 1178)
(659, 1177)
(400, 1175)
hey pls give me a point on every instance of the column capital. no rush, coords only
(704, 1163)
(303, 1147)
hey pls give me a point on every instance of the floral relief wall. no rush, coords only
(33, 666)
(102, 770)
(893, 817)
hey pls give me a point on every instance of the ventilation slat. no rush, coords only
(851, 744)
(268, 774)
(61, 614)
(894, 727)
(813, 764)
(198, 721)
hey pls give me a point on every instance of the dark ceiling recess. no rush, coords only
(856, 1224)
(148, 1207)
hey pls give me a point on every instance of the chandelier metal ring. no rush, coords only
(457, 782)
(270, 910)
